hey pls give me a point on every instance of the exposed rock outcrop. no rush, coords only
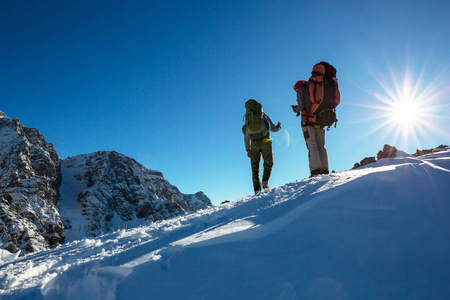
(427, 151)
(43, 198)
(391, 151)
(114, 189)
(365, 161)
(29, 185)
(388, 151)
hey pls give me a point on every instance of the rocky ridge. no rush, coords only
(43, 198)
(29, 187)
(391, 151)
(427, 151)
(113, 189)
(388, 151)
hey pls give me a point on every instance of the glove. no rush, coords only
(248, 153)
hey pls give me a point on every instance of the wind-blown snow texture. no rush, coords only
(379, 232)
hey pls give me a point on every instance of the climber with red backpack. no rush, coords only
(317, 99)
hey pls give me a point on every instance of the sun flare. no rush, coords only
(406, 107)
(405, 113)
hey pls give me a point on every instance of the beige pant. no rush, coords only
(315, 142)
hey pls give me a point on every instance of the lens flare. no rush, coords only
(407, 108)
(287, 138)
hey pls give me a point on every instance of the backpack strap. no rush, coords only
(314, 98)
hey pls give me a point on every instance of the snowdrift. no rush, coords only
(378, 232)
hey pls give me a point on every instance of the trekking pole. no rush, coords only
(335, 123)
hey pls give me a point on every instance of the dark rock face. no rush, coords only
(29, 186)
(428, 151)
(113, 188)
(388, 151)
(42, 198)
(365, 161)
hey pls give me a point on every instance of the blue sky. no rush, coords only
(165, 82)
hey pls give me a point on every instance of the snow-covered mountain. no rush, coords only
(104, 190)
(29, 183)
(45, 201)
(377, 232)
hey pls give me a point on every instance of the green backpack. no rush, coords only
(255, 126)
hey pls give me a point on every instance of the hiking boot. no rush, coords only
(325, 172)
(265, 185)
(315, 172)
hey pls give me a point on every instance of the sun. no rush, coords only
(405, 107)
(405, 113)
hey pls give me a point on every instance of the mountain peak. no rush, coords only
(29, 184)
(42, 197)
(374, 233)
(123, 190)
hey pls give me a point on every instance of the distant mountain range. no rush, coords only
(45, 201)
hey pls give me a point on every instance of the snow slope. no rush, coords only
(379, 232)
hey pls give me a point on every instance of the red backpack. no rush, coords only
(324, 95)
